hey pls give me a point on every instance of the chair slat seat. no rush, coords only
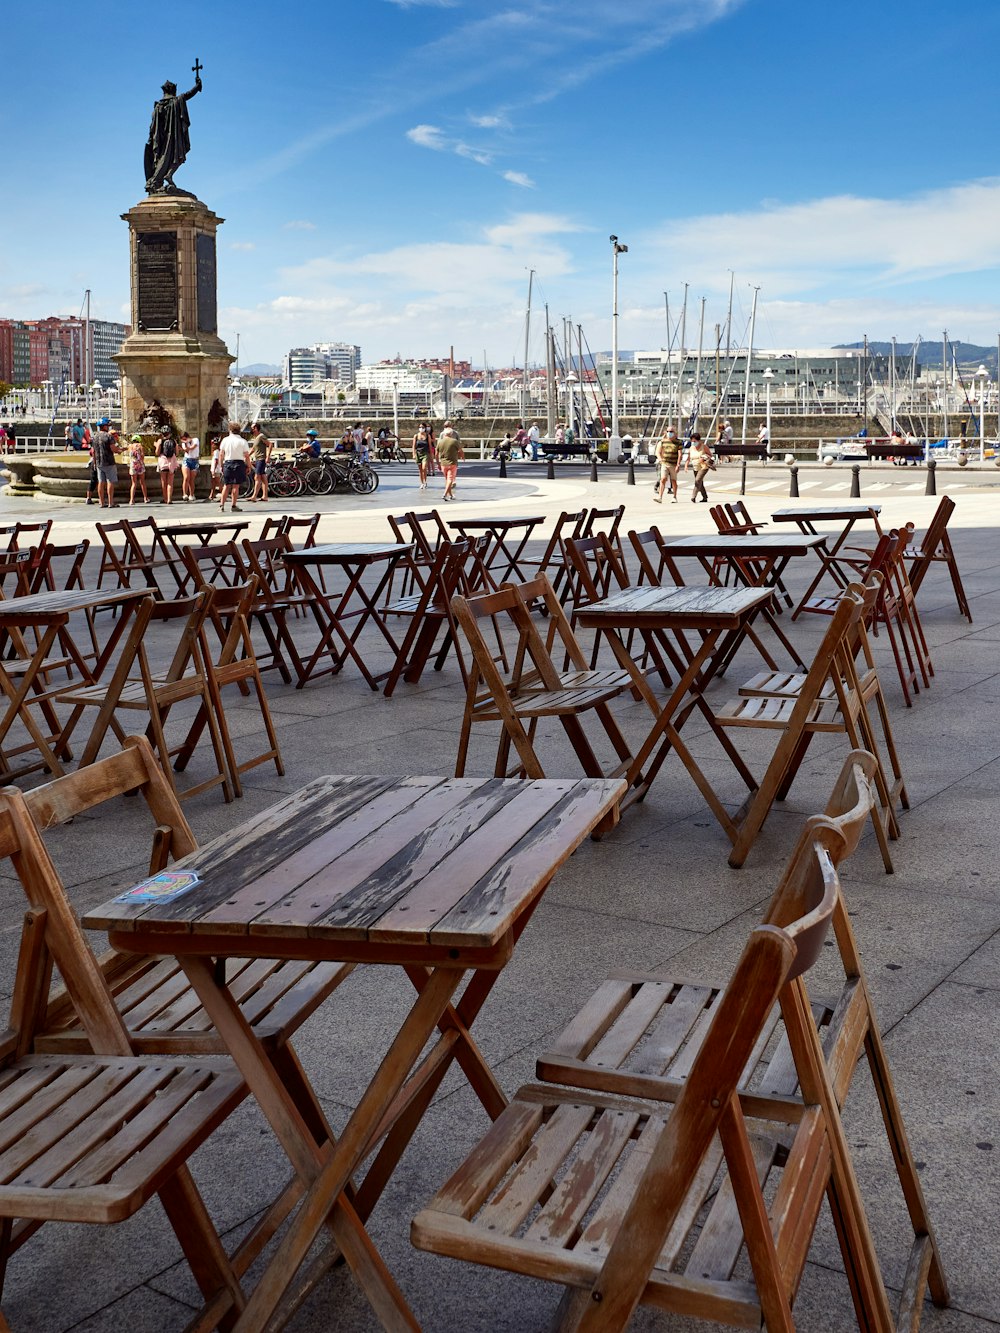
(774, 711)
(546, 703)
(86, 1138)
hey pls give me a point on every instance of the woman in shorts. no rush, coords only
(235, 456)
(215, 468)
(166, 465)
(421, 453)
(191, 446)
(137, 469)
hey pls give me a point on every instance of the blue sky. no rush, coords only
(389, 170)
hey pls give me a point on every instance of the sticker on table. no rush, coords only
(161, 888)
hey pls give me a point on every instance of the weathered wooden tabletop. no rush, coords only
(816, 513)
(761, 543)
(345, 553)
(40, 607)
(658, 607)
(374, 869)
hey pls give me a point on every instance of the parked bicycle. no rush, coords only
(333, 470)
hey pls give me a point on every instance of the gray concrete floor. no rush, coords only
(656, 893)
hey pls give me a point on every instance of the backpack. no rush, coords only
(168, 449)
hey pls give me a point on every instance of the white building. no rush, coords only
(345, 358)
(303, 365)
(408, 379)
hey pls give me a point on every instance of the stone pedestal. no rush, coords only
(175, 355)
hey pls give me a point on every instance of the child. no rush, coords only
(215, 474)
(137, 469)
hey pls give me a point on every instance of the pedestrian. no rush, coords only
(76, 434)
(10, 446)
(261, 449)
(449, 449)
(432, 465)
(166, 464)
(422, 453)
(366, 445)
(137, 469)
(190, 449)
(215, 468)
(668, 455)
(358, 436)
(701, 461)
(561, 433)
(534, 436)
(91, 477)
(105, 448)
(725, 437)
(235, 456)
(67, 436)
(521, 439)
(764, 437)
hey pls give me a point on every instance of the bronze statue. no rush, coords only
(169, 139)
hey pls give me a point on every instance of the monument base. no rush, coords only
(175, 356)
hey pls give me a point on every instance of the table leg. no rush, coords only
(17, 696)
(828, 561)
(326, 1169)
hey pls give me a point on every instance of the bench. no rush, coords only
(758, 451)
(883, 449)
(578, 449)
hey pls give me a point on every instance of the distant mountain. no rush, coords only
(929, 353)
(260, 368)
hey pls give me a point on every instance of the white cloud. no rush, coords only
(299, 224)
(795, 248)
(519, 178)
(490, 122)
(429, 4)
(428, 136)
(242, 245)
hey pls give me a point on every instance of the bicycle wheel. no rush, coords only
(363, 479)
(246, 490)
(283, 482)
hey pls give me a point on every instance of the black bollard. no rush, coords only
(593, 467)
(793, 488)
(503, 465)
(631, 472)
(931, 487)
(856, 481)
(743, 478)
(551, 473)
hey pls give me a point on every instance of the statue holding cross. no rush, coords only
(169, 136)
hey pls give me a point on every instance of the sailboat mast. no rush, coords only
(746, 385)
(527, 335)
(729, 314)
(944, 382)
(670, 383)
(697, 374)
(550, 378)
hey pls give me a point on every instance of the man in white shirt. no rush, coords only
(534, 435)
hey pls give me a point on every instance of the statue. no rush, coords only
(169, 139)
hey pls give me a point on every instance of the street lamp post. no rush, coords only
(768, 377)
(395, 410)
(982, 375)
(615, 443)
(571, 380)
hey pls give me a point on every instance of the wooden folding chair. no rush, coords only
(805, 714)
(162, 1014)
(279, 593)
(233, 663)
(656, 1201)
(304, 528)
(636, 1035)
(127, 563)
(428, 611)
(91, 1137)
(936, 548)
(607, 521)
(733, 520)
(425, 532)
(868, 687)
(552, 561)
(534, 688)
(136, 686)
(39, 534)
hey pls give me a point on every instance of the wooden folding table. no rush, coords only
(205, 530)
(334, 611)
(503, 555)
(46, 615)
(437, 876)
(720, 617)
(757, 560)
(805, 517)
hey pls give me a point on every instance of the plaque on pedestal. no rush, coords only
(205, 255)
(156, 281)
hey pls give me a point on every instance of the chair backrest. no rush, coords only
(218, 566)
(40, 535)
(265, 559)
(650, 547)
(124, 555)
(305, 527)
(15, 573)
(608, 521)
(426, 531)
(937, 528)
(596, 569)
(71, 576)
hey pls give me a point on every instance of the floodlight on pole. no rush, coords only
(615, 443)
